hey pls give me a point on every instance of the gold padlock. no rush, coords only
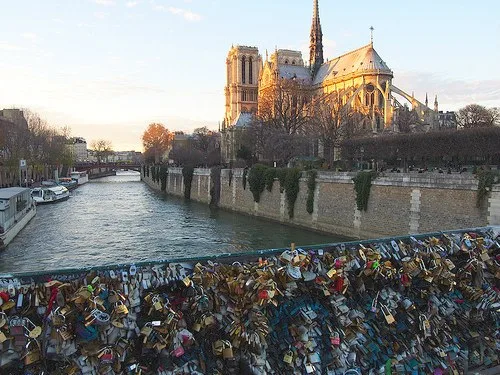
(157, 303)
(147, 330)
(32, 355)
(387, 314)
(331, 273)
(227, 352)
(120, 308)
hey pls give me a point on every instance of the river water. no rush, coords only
(119, 219)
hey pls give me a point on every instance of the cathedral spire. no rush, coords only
(316, 47)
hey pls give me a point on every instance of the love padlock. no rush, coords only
(227, 351)
(335, 338)
(288, 357)
(106, 356)
(120, 308)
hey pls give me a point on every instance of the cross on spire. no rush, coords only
(371, 34)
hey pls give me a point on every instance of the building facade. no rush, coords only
(360, 79)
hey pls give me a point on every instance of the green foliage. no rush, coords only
(486, 181)
(163, 177)
(244, 153)
(362, 185)
(269, 176)
(187, 173)
(292, 188)
(244, 181)
(311, 186)
(257, 180)
(281, 174)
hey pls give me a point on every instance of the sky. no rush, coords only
(108, 68)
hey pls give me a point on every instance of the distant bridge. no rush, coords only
(93, 166)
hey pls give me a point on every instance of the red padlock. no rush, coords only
(4, 296)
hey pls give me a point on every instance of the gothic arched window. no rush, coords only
(243, 61)
(250, 72)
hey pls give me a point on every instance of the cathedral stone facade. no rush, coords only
(360, 79)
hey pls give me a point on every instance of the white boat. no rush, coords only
(17, 208)
(49, 194)
(80, 177)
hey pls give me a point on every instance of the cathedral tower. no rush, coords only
(243, 67)
(316, 47)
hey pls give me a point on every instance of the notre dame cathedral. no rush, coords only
(361, 78)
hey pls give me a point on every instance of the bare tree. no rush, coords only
(283, 106)
(475, 116)
(405, 118)
(330, 123)
(278, 130)
(102, 149)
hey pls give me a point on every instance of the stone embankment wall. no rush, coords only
(399, 204)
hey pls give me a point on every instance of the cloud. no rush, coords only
(100, 15)
(104, 2)
(452, 93)
(186, 14)
(131, 4)
(6, 46)
(30, 36)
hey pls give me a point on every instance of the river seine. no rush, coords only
(120, 219)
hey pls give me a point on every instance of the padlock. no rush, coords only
(156, 301)
(33, 353)
(227, 351)
(288, 357)
(106, 356)
(310, 368)
(113, 297)
(387, 314)
(120, 308)
(147, 329)
(34, 331)
(65, 333)
(425, 325)
(335, 338)
(286, 256)
(331, 273)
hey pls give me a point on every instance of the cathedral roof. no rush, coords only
(301, 73)
(243, 120)
(357, 61)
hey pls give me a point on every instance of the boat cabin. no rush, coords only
(14, 202)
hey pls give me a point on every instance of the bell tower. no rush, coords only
(243, 66)
(316, 46)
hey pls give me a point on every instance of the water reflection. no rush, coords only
(119, 219)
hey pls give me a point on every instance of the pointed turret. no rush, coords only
(316, 47)
(436, 106)
(426, 100)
